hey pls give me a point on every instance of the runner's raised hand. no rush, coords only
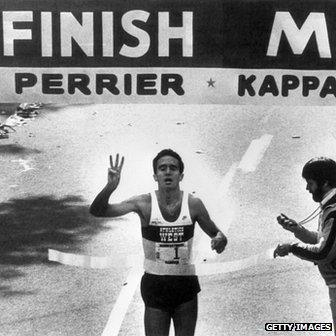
(113, 172)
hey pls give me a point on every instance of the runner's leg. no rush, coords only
(185, 317)
(157, 322)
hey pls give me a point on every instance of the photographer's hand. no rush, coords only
(282, 250)
(287, 223)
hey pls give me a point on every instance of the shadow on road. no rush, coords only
(29, 226)
(59, 107)
(8, 108)
(17, 149)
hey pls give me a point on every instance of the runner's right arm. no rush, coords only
(100, 206)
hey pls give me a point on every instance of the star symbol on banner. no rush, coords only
(211, 83)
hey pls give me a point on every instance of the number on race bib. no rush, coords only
(172, 253)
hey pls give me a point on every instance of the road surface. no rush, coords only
(243, 161)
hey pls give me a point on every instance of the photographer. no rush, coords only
(317, 246)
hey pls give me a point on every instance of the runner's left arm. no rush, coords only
(200, 215)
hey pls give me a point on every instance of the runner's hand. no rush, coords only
(219, 242)
(282, 250)
(113, 173)
(287, 223)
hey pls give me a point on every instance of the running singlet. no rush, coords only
(168, 245)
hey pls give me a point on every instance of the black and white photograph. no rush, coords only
(167, 168)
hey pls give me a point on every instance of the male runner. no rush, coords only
(319, 246)
(169, 285)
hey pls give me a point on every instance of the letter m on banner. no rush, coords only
(298, 37)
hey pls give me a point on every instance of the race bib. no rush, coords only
(172, 253)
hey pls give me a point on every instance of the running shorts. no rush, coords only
(167, 292)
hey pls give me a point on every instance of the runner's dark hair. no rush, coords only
(168, 152)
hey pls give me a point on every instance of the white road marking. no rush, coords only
(227, 180)
(126, 294)
(254, 153)
(225, 209)
(222, 215)
(121, 305)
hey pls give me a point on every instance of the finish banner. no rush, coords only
(163, 51)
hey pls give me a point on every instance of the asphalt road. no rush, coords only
(53, 166)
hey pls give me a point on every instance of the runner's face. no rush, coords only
(168, 172)
(316, 190)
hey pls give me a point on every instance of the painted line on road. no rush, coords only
(254, 153)
(123, 301)
(224, 188)
(220, 215)
(227, 180)
(248, 163)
